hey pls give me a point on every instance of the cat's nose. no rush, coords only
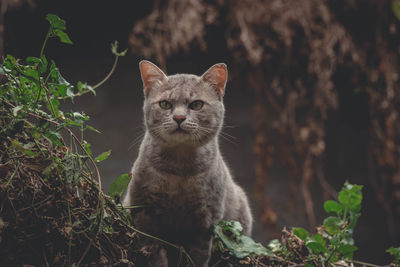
(179, 119)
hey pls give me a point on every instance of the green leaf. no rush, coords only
(64, 38)
(347, 250)
(119, 185)
(56, 22)
(70, 92)
(54, 137)
(31, 73)
(92, 129)
(395, 252)
(332, 225)
(33, 61)
(301, 233)
(350, 197)
(79, 117)
(309, 265)
(86, 145)
(316, 247)
(18, 146)
(85, 87)
(102, 156)
(318, 238)
(114, 48)
(56, 76)
(35, 133)
(332, 206)
(238, 244)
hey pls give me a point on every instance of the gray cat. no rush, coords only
(180, 173)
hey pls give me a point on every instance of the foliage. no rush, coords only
(395, 252)
(52, 209)
(118, 187)
(332, 242)
(228, 235)
(334, 239)
(50, 201)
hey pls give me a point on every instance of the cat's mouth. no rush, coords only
(179, 130)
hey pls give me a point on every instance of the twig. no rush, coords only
(36, 205)
(98, 84)
(13, 174)
(84, 253)
(364, 263)
(108, 75)
(135, 207)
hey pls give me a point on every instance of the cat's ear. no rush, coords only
(217, 75)
(151, 75)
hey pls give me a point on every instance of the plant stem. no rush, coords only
(45, 41)
(99, 83)
(48, 100)
(364, 263)
(70, 240)
(135, 207)
(109, 74)
(13, 174)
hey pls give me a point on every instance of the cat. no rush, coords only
(179, 172)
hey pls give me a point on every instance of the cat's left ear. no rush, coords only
(151, 75)
(217, 75)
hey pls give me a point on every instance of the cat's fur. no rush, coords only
(181, 175)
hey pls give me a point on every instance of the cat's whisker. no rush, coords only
(223, 134)
(138, 139)
(228, 135)
(227, 139)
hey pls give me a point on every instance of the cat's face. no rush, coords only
(183, 109)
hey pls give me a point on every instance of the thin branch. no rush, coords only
(364, 263)
(84, 253)
(114, 66)
(109, 74)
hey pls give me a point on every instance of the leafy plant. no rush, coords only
(32, 144)
(118, 187)
(334, 239)
(332, 242)
(395, 252)
(42, 164)
(228, 236)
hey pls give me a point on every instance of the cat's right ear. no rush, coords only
(151, 75)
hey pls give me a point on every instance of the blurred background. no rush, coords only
(313, 97)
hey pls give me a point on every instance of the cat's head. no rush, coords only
(183, 109)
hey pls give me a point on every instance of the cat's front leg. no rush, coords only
(146, 221)
(200, 250)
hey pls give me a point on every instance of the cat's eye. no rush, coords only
(164, 104)
(196, 105)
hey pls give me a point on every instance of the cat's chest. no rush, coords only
(174, 192)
